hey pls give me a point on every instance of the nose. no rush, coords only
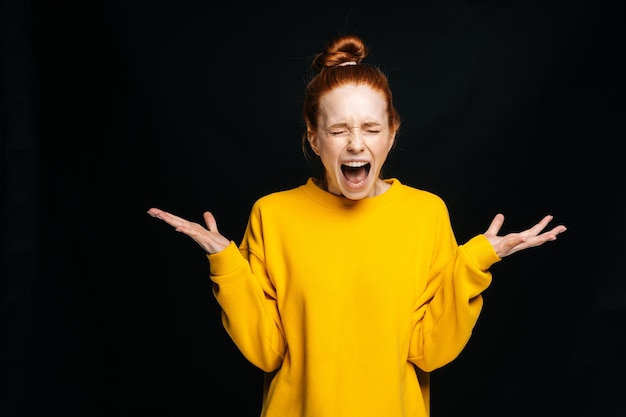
(355, 141)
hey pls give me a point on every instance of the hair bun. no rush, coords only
(344, 50)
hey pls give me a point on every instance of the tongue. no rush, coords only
(355, 175)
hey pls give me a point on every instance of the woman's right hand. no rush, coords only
(208, 238)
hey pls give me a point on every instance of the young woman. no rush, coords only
(349, 289)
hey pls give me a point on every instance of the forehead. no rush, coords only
(352, 103)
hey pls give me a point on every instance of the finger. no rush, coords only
(545, 237)
(210, 221)
(154, 212)
(514, 243)
(495, 225)
(552, 234)
(536, 229)
(169, 218)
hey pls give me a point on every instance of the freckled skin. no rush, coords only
(353, 126)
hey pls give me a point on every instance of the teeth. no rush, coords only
(355, 164)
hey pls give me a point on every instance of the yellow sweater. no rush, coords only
(339, 300)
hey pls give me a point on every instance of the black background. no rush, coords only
(110, 108)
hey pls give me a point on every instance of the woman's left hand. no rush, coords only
(515, 242)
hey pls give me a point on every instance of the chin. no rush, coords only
(364, 190)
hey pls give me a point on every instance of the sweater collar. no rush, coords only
(369, 203)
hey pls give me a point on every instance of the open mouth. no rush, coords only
(356, 172)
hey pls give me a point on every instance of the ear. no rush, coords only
(392, 140)
(312, 138)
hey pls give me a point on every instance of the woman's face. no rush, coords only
(353, 140)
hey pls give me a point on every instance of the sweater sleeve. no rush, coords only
(447, 311)
(248, 302)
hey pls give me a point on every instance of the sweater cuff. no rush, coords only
(480, 250)
(226, 261)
